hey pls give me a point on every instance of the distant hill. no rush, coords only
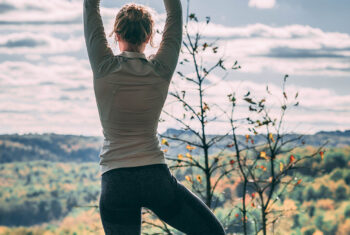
(51, 147)
(68, 148)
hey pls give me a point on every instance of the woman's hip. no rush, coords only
(137, 185)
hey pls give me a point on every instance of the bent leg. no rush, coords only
(188, 213)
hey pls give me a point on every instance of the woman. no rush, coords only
(130, 92)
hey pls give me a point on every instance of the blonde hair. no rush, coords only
(134, 24)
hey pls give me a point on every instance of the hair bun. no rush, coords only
(134, 14)
(134, 24)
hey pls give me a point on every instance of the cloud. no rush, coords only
(294, 49)
(40, 12)
(4, 7)
(248, 43)
(28, 42)
(295, 31)
(48, 97)
(264, 4)
(21, 74)
(286, 52)
(33, 57)
(23, 42)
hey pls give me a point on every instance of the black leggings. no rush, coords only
(126, 190)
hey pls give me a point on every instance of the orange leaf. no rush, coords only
(189, 147)
(247, 138)
(199, 178)
(188, 178)
(263, 155)
(205, 106)
(291, 158)
(321, 154)
(299, 181)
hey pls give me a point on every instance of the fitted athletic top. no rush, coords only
(130, 89)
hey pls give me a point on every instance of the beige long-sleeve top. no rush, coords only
(130, 89)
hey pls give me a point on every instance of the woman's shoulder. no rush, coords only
(160, 67)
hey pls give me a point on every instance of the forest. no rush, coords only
(59, 195)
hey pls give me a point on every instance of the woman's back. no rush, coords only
(131, 89)
(130, 100)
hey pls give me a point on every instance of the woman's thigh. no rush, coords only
(124, 192)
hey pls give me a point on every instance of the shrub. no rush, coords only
(347, 179)
(337, 175)
(340, 193)
(319, 221)
(324, 192)
(310, 231)
(311, 194)
(311, 211)
(347, 212)
(334, 161)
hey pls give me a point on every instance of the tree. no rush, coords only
(198, 112)
(263, 161)
(267, 166)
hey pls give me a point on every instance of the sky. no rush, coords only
(46, 79)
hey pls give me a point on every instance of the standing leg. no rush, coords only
(119, 209)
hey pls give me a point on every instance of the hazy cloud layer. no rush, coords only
(46, 79)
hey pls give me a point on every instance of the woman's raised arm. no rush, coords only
(98, 49)
(168, 52)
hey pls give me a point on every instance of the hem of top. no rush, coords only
(104, 169)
